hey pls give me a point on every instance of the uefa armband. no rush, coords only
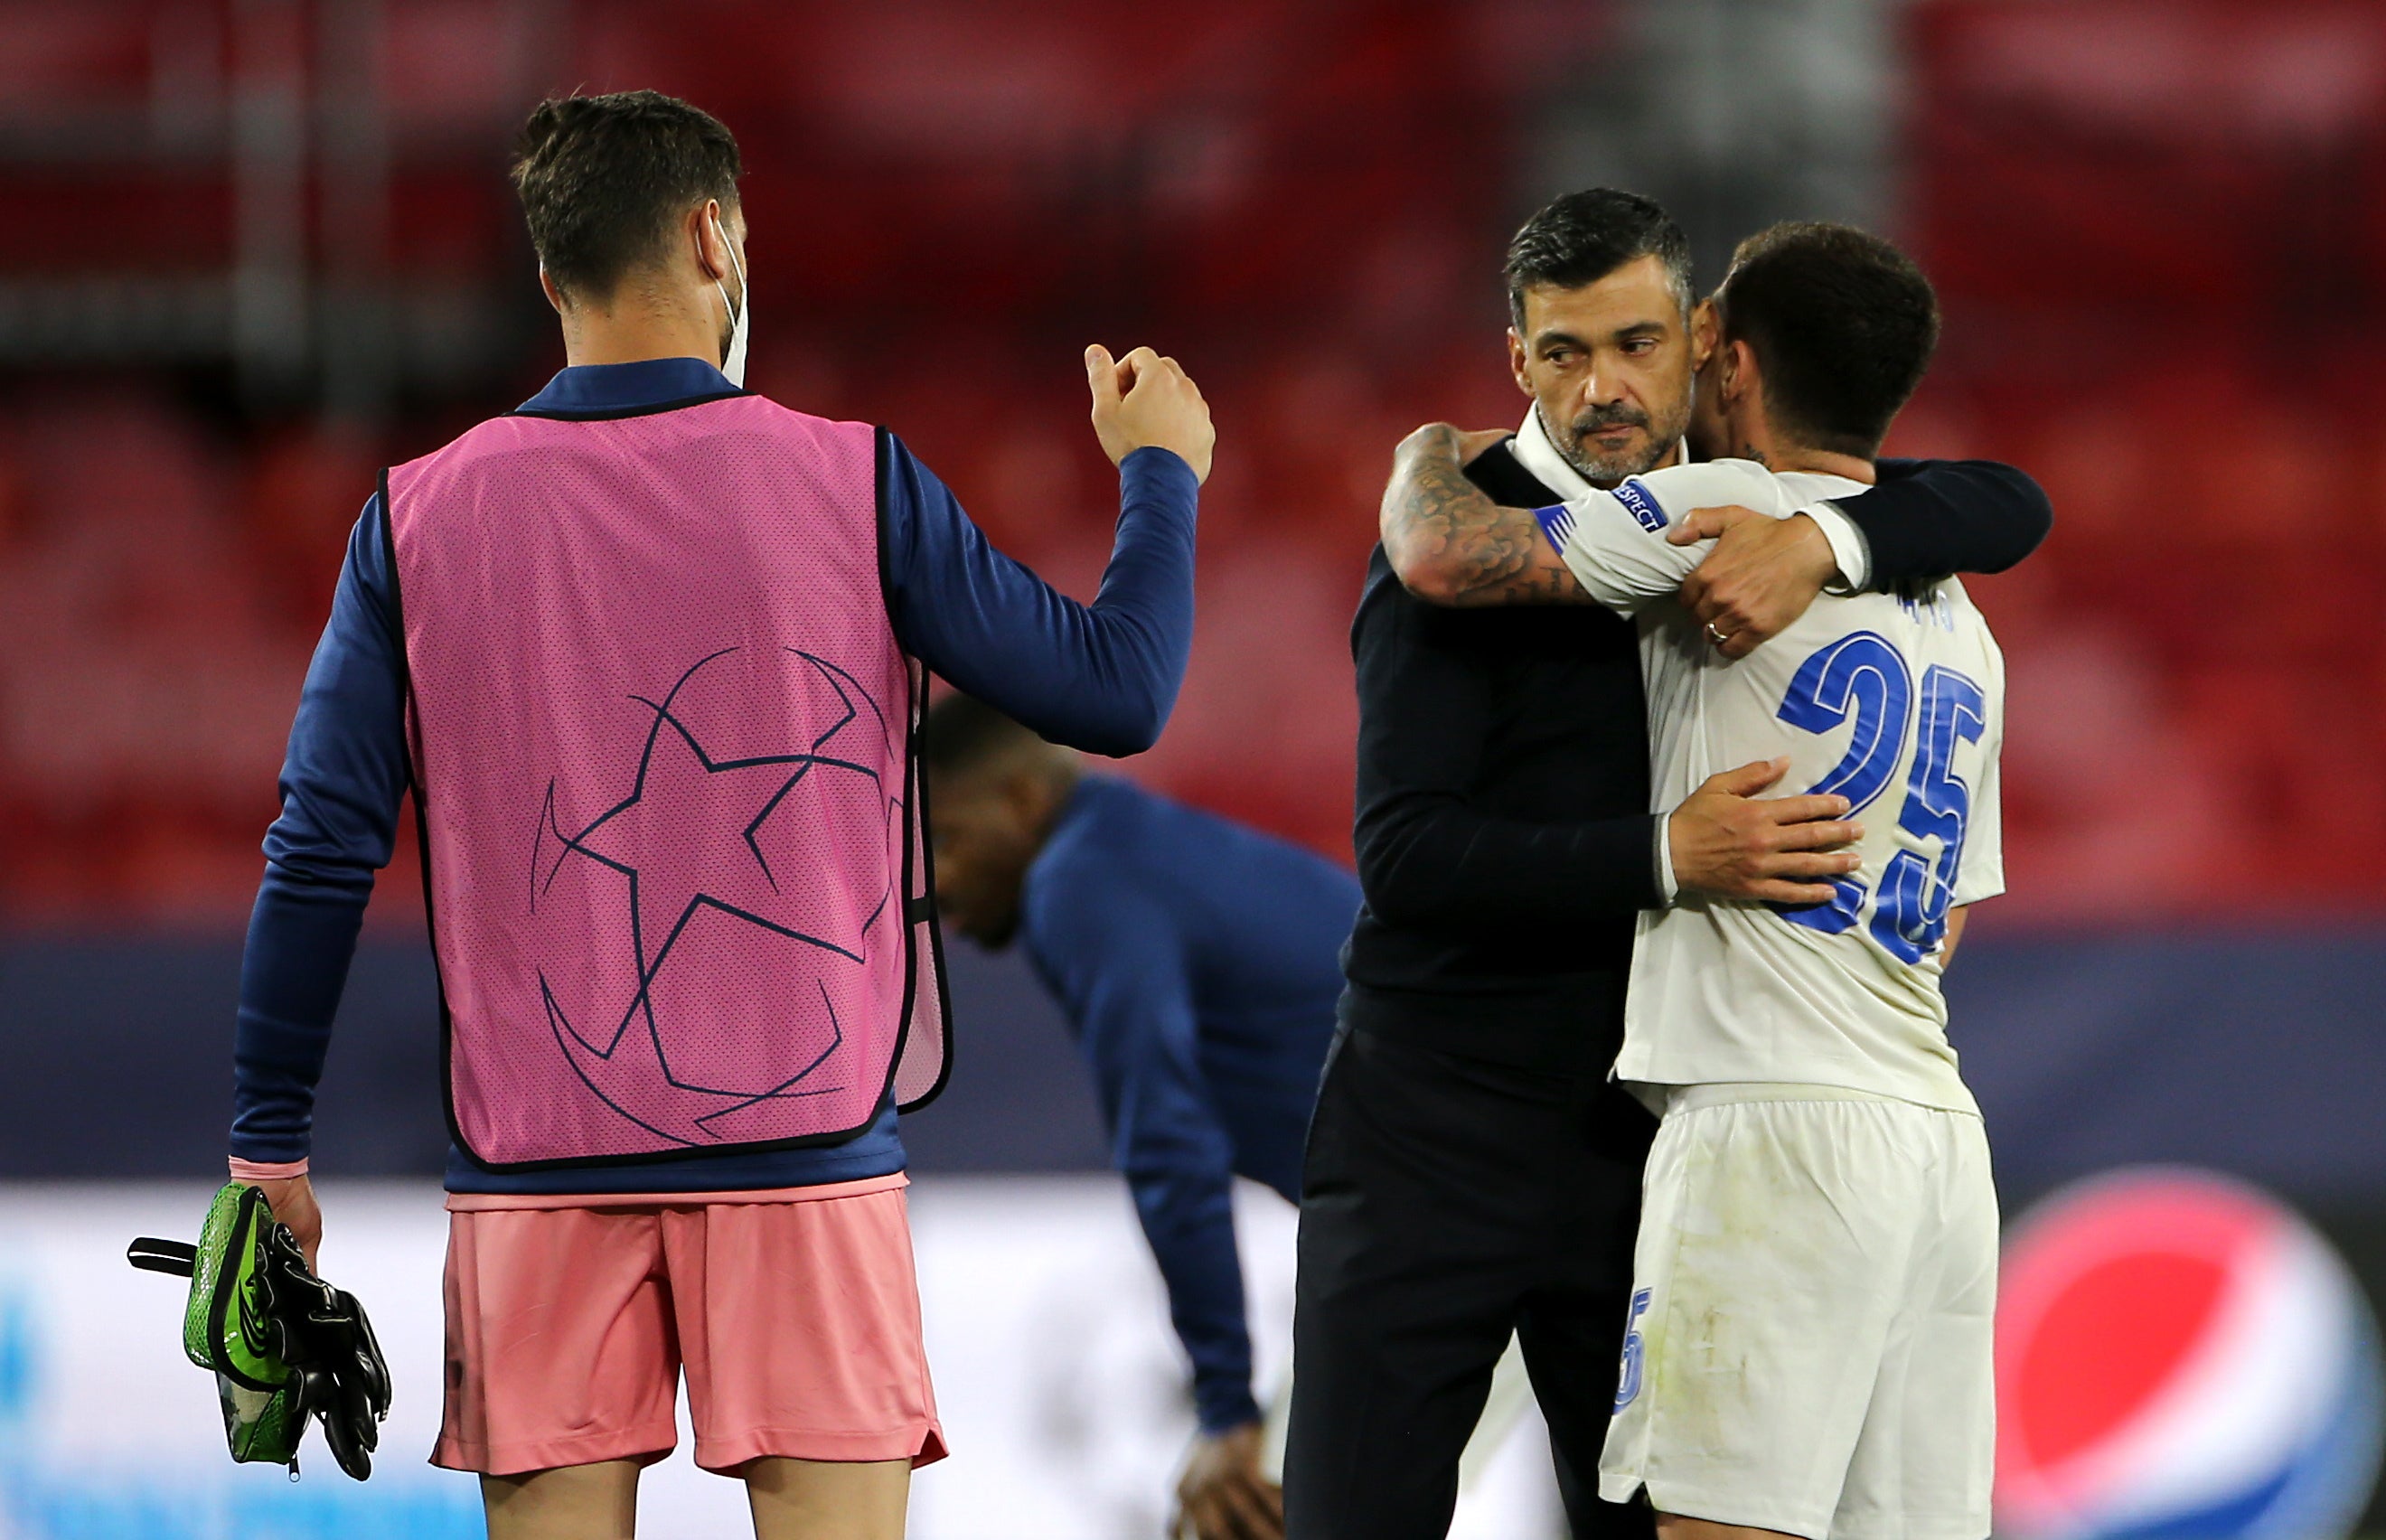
(284, 1344)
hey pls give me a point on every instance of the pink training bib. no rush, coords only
(662, 744)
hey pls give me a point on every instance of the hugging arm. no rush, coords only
(1921, 520)
(1431, 858)
(1451, 544)
(1926, 518)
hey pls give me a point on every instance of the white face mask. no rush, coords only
(734, 366)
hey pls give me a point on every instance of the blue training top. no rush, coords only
(1099, 677)
(1197, 963)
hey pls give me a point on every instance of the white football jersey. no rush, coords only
(1896, 704)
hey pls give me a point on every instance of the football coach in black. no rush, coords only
(1471, 1169)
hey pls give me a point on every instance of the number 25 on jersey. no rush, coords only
(1864, 677)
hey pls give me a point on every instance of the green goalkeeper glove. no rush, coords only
(285, 1346)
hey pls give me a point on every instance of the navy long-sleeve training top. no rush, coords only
(1197, 963)
(1099, 677)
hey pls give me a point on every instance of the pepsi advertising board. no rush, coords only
(2181, 1357)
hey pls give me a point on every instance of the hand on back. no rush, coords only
(1144, 401)
(1728, 843)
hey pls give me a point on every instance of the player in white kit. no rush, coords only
(1810, 1348)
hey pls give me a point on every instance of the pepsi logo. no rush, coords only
(2179, 1355)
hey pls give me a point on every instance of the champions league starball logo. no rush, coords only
(693, 980)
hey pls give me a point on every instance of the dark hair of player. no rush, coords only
(1842, 324)
(1584, 236)
(961, 734)
(605, 180)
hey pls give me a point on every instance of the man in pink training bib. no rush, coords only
(651, 653)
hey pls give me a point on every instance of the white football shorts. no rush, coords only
(1812, 1342)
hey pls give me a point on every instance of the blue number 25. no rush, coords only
(1912, 914)
(1862, 675)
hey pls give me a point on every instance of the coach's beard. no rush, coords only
(1606, 470)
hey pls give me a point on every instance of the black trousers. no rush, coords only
(1447, 1202)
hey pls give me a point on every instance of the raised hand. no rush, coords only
(1144, 401)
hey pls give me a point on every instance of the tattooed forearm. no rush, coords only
(1451, 544)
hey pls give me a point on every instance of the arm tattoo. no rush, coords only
(1451, 542)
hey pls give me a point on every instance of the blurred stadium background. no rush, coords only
(251, 249)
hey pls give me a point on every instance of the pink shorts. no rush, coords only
(798, 1323)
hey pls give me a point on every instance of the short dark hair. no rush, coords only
(1842, 324)
(604, 180)
(1584, 236)
(961, 734)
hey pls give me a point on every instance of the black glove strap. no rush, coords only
(152, 1255)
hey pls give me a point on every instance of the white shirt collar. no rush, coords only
(1538, 454)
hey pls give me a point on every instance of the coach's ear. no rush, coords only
(1705, 327)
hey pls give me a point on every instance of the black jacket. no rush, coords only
(1504, 837)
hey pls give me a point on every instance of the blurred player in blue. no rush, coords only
(1197, 963)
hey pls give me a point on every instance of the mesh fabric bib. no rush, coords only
(661, 736)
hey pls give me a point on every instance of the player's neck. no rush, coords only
(1822, 462)
(1756, 441)
(638, 329)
